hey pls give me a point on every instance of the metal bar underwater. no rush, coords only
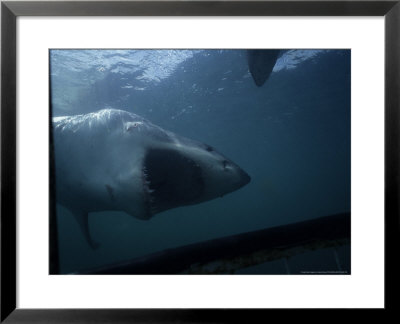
(228, 254)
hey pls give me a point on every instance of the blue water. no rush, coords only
(292, 136)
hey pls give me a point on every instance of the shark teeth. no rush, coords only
(149, 198)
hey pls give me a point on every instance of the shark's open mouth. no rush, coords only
(170, 180)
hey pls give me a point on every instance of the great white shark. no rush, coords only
(114, 160)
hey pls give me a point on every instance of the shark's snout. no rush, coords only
(244, 178)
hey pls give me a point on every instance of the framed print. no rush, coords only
(197, 161)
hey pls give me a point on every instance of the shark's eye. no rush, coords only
(131, 126)
(224, 163)
(209, 148)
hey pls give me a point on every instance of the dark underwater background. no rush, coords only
(292, 136)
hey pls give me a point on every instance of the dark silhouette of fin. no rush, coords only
(83, 221)
(261, 64)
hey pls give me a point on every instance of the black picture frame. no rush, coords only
(10, 10)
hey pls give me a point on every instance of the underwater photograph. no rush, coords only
(200, 161)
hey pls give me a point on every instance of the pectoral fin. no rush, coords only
(83, 221)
